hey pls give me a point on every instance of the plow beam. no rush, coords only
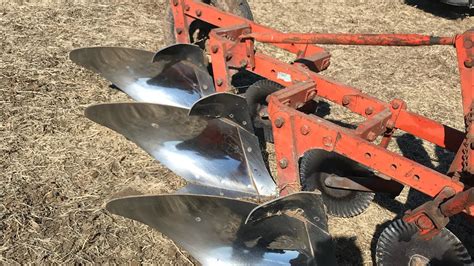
(351, 39)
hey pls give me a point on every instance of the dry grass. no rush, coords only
(57, 168)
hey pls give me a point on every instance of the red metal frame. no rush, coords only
(231, 47)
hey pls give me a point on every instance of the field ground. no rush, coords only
(58, 168)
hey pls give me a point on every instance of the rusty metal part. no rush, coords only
(352, 39)
(364, 184)
(399, 244)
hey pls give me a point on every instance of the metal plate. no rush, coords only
(224, 105)
(308, 208)
(207, 152)
(213, 231)
(178, 80)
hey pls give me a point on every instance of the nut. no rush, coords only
(346, 100)
(395, 105)
(369, 110)
(305, 130)
(371, 136)
(279, 122)
(283, 163)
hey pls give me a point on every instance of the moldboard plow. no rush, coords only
(188, 115)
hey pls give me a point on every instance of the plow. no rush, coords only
(189, 114)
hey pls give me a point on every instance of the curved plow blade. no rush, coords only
(224, 105)
(213, 229)
(176, 75)
(206, 152)
(308, 208)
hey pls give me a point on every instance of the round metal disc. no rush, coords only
(399, 245)
(316, 165)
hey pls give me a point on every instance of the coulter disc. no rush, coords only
(399, 245)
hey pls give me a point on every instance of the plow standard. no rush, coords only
(191, 118)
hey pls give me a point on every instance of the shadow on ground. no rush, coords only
(440, 9)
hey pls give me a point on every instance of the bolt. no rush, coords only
(215, 49)
(469, 63)
(368, 155)
(283, 163)
(395, 105)
(228, 56)
(369, 110)
(279, 122)
(219, 82)
(179, 30)
(468, 44)
(327, 141)
(305, 130)
(198, 12)
(371, 136)
(424, 222)
(175, 2)
(346, 100)
(243, 63)
(187, 7)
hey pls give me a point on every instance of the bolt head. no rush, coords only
(219, 82)
(305, 130)
(469, 63)
(187, 7)
(369, 110)
(279, 122)
(179, 30)
(424, 222)
(215, 49)
(198, 12)
(283, 163)
(327, 141)
(372, 136)
(346, 100)
(175, 2)
(243, 63)
(395, 105)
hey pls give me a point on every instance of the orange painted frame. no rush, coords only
(291, 144)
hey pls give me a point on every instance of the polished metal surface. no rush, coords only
(177, 77)
(206, 152)
(224, 105)
(213, 231)
(308, 208)
(214, 191)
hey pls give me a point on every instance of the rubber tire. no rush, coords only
(398, 243)
(226, 5)
(312, 166)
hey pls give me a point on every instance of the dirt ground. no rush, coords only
(58, 168)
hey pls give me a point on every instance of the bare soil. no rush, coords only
(58, 169)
